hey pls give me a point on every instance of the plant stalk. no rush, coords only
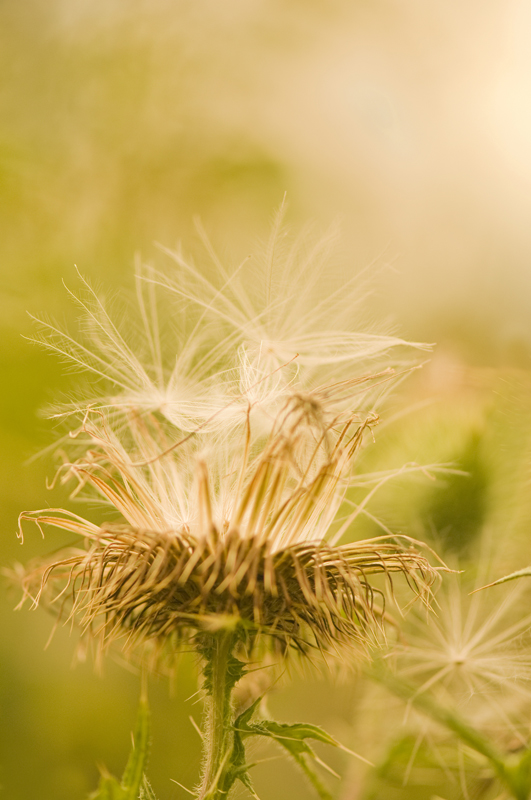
(218, 739)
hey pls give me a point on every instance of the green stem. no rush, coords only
(218, 741)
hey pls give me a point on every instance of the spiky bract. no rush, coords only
(148, 585)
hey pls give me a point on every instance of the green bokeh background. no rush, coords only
(121, 122)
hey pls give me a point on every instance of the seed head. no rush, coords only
(474, 654)
(225, 448)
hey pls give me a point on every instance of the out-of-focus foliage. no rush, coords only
(474, 654)
(438, 772)
(458, 510)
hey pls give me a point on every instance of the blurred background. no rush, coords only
(406, 124)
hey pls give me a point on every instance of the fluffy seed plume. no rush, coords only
(224, 443)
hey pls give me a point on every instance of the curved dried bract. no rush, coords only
(143, 585)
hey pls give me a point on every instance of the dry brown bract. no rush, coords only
(149, 585)
(256, 567)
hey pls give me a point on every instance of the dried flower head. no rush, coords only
(226, 446)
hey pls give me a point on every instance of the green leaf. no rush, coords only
(146, 792)
(291, 737)
(238, 768)
(293, 734)
(242, 722)
(234, 671)
(134, 784)
(521, 573)
(133, 776)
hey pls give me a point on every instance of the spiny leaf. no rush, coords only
(134, 784)
(134, 772)
(296, 732)
(235, 668)
(146, 792)
(242, 722)
(292, 734)
(239, 769)
(291, 737)
(521, 573)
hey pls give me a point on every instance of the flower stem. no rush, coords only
(221, 672)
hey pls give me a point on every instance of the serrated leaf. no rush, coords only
(235, 669)
(238, 769)
(290, 737)
(133, 776)
(146, 791)
(521, 573)
(134, 784)
(297, 732)
(242, 722)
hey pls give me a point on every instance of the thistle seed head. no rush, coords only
(226, 472)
